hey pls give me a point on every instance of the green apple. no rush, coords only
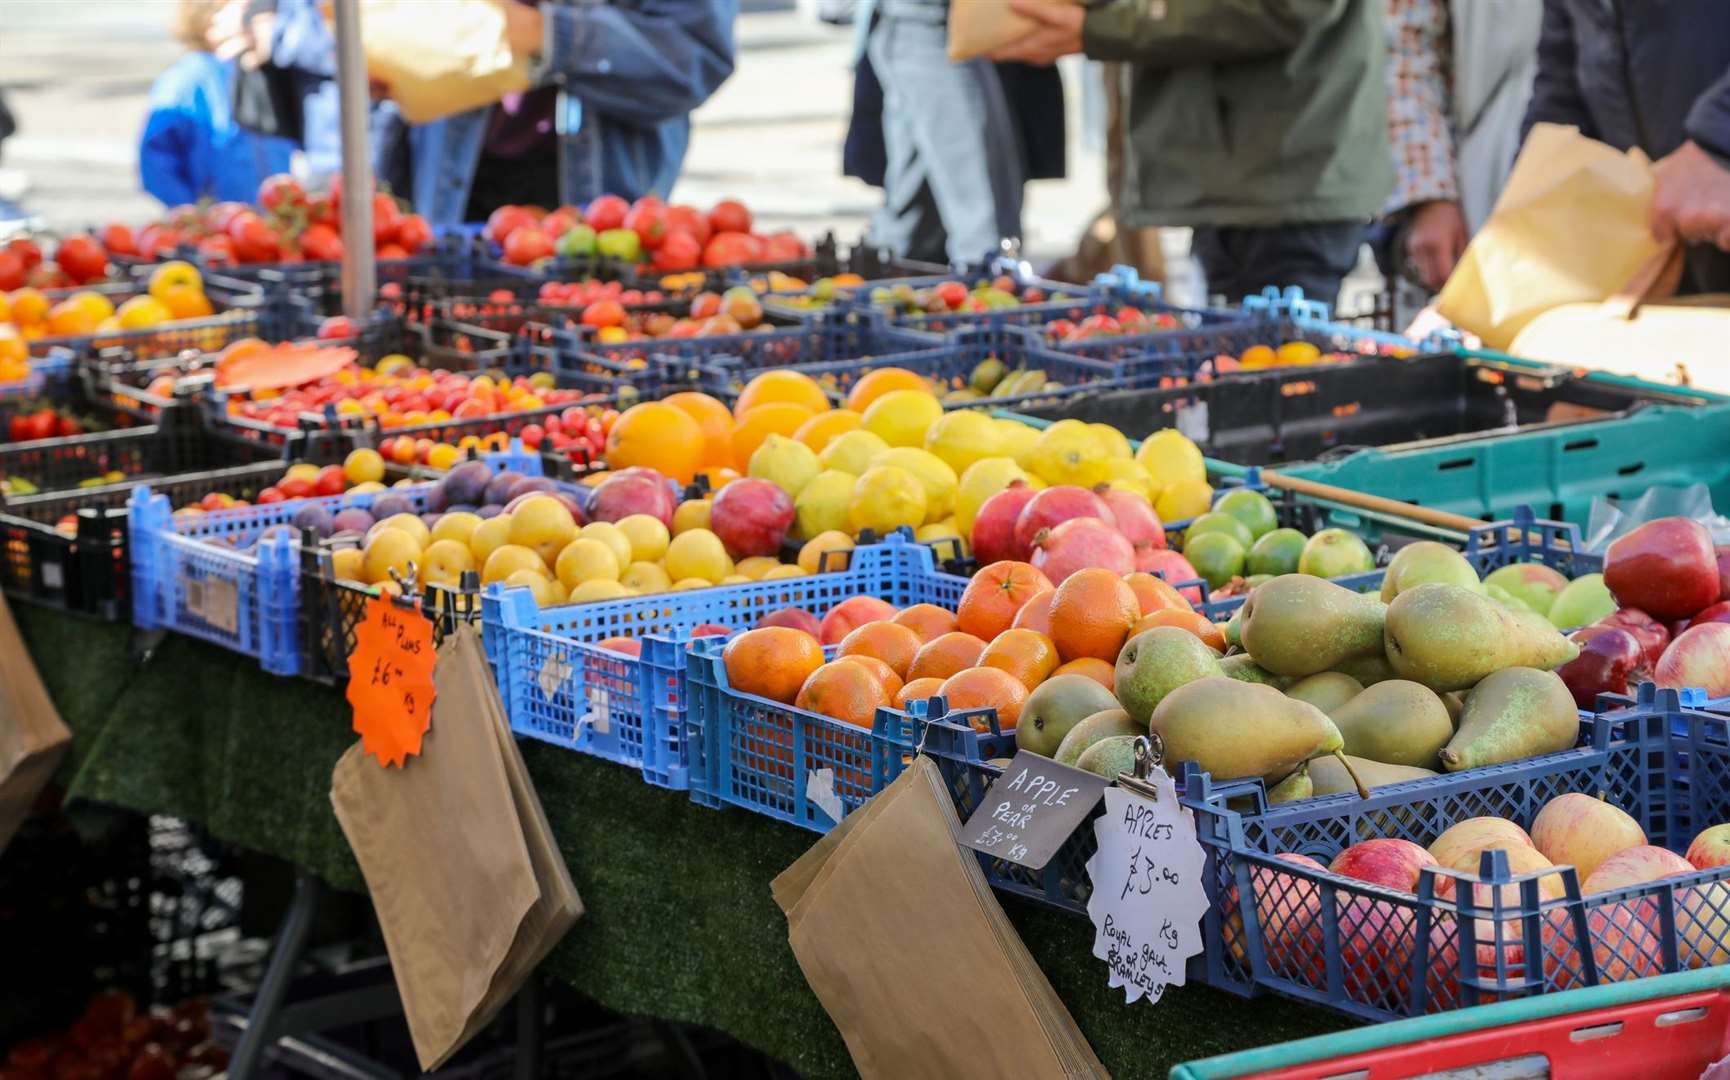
(576, 240)
(620, 244)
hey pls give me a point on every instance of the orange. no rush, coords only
(917, 690)
(775, 418)
(944, 655)
(986, 688)
(1092, 613)
(995, 596)
(69, 317)
(1098, 670)
(926, 620)
(719, 476)
(823, 428)
(186, 302)
(879, 381)
(714, 419)
(659, 436)
(782, 385)
(1155, 593)
(5, 308)
(892, 644)
(846, 692)
(882, 672)
(1036, 613)
(29, 306)
(772, 662)
(1193, 621)
(12, 346)
(1026, 654)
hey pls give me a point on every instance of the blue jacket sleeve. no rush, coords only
(644, 64)
(1708, 121)
(1556, 97)
(171, 154)
(301, 40)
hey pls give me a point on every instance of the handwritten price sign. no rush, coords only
(1147, 898)
(390, 680)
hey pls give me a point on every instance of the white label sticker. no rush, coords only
(53, 576)
(600, 714)
(820, 789)
(222, 605)
(1192, 421)
(552, 676)
(1148, 899)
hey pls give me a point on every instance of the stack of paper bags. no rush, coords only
(470, 888)
(440, 59)
(33, 738)
(893, 924)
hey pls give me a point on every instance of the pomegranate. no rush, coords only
(1079, 543)
(1135, 517)
(1171, 566)
(1053, 506)
(751, 516)
(994, 525)
(633, 491)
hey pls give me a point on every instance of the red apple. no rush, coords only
(1719, 612)
(331, 481)
(1288, 909)
(1584, 831)
(751, 516)
(1649, 632)
(1610, 658)
(1388, 862)
(1666, 568)
(1711, 848)
(1699, 656)
(994, 525)
(1722, 552)
(1624, 938)
(849, 614)
(1378, 950)
(793, 618)
(1635, 866)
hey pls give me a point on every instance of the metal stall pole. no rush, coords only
(359, 269)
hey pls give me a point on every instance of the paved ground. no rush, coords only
(77, 72)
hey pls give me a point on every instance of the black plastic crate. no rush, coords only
(331, 611)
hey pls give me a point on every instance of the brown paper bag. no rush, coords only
(1570, 227)
(437, 64)
(980, 27)
(892, 923)
(33, 738)
(469, 889)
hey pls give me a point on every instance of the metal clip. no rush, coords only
(1149, 751)
(410, 598)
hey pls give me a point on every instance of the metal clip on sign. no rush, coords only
(1149, 752)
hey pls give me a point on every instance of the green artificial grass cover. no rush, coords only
(679, 921)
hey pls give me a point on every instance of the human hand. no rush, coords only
(1435, 240)
(1691, 198)
(1057, 33)
(523, 27)
(232, 35)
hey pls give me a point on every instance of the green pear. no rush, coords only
(1514, 714)
(1450, 638)
(1456, 703)
(1368, 670)
(1395, 722)
(1237, 729)
(1109, 757)
(1293, 788)
(1586, 600)
(1507, 599)
(1101, 725)
(1244, 669)
(1327, 690)
(1061, 702)
(1153, 664)
(1532, 584)
(1329, 777)
(1299, 625)
(1335, 553)
(1233, 632)
(1424, 561)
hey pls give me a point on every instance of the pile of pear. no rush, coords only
(1326, 690)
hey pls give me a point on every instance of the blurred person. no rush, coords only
(191, 148)
(1262, 125)
(1654, 76)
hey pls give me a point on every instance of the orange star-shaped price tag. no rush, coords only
(390, 680)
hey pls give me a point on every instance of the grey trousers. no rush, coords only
(953, 185)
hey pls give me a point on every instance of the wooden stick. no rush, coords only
(1442, 519)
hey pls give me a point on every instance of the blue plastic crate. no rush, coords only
(561, 687)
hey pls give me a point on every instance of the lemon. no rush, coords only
(785, 571)
(1115, 442)
(787, 463)
(1184, 500)
(1256, 357)
(902, 417)
(850, 453)
(1014, 437)
(811, 555)
(822, 505)
(698, 553)
(1128, 475)
(756, 566)
(173, 273)
(612, 536)
(647, 535)
(962, 437)
(945, 536)
(1297, 354)
(691, 514)
(885, 498)
(1067, 452)
(982, 480)
(598, 589)
(646, 577)
(1169, 457)
(586, 559)
(938, 479)
(143, 312)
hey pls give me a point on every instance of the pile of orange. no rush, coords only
(1011, 631)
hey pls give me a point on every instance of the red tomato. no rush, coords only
(526, 245)
(217, 249)
(335, 327)
(730, 215)
(952, 293)
(321, 242)
(294, 487)
(11, 271)
(26, 250)
(558, 223)
(689, 219)
(270, 495)
(330, 481)
(705, 305)
(678, 252)
(729, 249)
(320, 210)
(385, 215)
(783, 247)
(41, 424)
(413, 232)
(82, 258)
(604, 313)
(118, 240)
(391, 251)
(532, 435)
(607, 212)
(281, 191)
(68, 426)
(220, 214)
(649, 221)
(254, 240)
(506, 220)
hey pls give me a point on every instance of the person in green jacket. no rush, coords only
(1262, 124)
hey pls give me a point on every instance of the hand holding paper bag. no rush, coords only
(441, 59)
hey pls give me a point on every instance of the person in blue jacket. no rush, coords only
(191, 147)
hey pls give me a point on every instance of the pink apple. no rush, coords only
(1635, 866)
(1649, 632)
(1378, 950)
(1704, 925)
(1722, 553)
(1388, 862)
(795, 618)
(1583, 831)
(1719, 612)
(1666, 568)
(1711, 848)
(1624, 939)
(850, 614)
(1610, 658)
(1289, 911)
(1700, 656)
(1171, 566)
(1477, 834)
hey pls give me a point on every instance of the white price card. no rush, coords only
(1148, 899)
